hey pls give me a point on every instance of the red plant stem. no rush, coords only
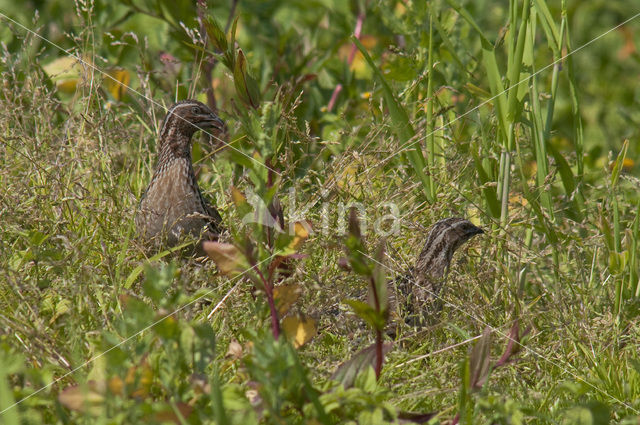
(376, 300)
(357, 32)
(275, 323)
(334, 97)
(378, 353)
(268, 289)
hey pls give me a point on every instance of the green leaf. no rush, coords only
(246, 87)
(216, 35)
(367, 313)
(379, 278)
(364, 359)
(617, 166)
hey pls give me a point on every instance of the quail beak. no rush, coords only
(212, 121)
(476, 231)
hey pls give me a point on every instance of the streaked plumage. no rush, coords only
(420, 287)
(173, 207)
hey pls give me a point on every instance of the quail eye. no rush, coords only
(195, 110)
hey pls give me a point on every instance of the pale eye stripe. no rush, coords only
(434, 242)
(170, 113)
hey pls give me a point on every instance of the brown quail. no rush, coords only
(420, 287)
(172, 207)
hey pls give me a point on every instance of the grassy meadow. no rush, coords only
(521, 116)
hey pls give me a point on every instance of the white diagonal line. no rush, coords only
(562, 58)
(95, 68)
(124, 341)
(499, 332)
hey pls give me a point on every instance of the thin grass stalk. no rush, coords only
(516, 52)
(515, 67)
(633, 258)
(540, 149)
(578, 132)
(429, 118)
(618, 248)
(617, 235)
(506, 180)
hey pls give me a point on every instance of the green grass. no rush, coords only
(540, 167)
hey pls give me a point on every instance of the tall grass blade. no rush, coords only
(400, 123)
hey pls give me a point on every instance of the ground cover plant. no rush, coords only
(352, 127)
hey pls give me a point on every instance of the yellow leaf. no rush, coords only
(301, 234)
(144, 376)
(518, 199)
(116, 385)
(286, 296)
(228, 258)
(65, 72)
(237, 196)
(300, 329)
(118, 87)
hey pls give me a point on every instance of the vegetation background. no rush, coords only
(522, 116)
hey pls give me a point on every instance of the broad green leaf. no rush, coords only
(367, 313)
(246, 87)
(379, 278)
(216, 34)
(364, 359)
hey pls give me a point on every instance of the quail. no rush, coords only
(172, 207)
(419, 288)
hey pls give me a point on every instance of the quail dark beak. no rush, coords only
(476, 231)
(212, 121)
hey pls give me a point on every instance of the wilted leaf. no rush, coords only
(240, 201)
(354, 223)
(237, 196)
(235, 350)
(415, 417)
(80, 399)
(65, 72)
(228, 258)
(118, 88)
(380, 280)
(300, 329)
(301, 234)
(285, 296)
(343, 263)
(116, 385)
(513, 343)
(171, 416)
(479, 360)
(348, 371)
(141, 375)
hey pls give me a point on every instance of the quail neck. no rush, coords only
(173, 206)
(422, 284)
